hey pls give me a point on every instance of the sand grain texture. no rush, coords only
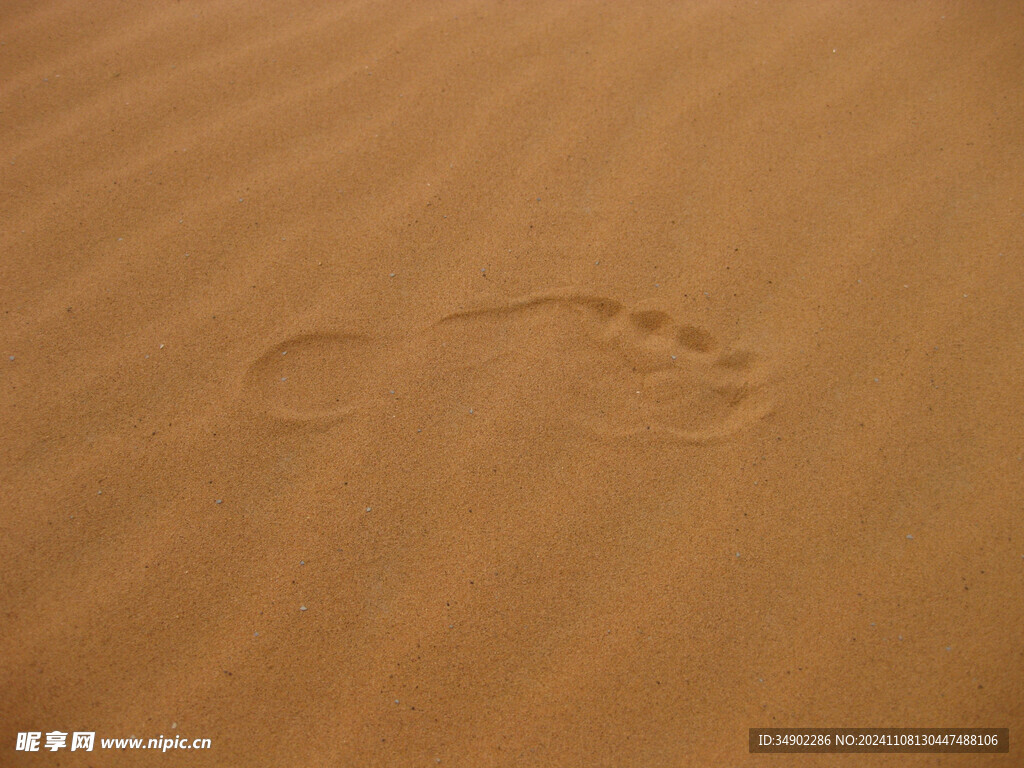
(603, 379)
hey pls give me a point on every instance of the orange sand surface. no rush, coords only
(509, 384)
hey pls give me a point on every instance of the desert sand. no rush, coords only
(509, 384)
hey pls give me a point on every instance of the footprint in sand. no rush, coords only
(613, 370)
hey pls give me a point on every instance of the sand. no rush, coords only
(509, 384)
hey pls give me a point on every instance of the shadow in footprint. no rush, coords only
(314, 377)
